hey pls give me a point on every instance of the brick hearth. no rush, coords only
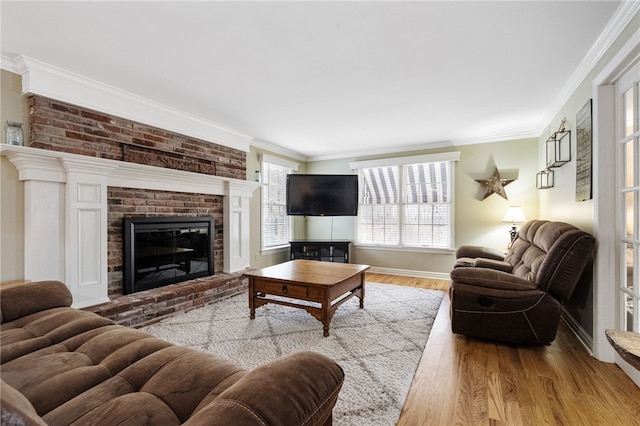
(146, 307)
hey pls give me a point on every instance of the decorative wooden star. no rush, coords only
(495, 185)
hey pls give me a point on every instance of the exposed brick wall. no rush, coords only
(127, 202)
(59, 126)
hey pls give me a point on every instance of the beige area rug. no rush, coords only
(378, 347)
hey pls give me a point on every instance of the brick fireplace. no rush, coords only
(84, 171)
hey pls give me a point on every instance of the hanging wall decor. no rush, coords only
(559, 146)
(584, 139)
(495, 185)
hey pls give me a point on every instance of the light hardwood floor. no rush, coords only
(464, 381)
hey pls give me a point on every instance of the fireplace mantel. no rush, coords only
(65, 209)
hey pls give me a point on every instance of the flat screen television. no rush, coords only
(322, 195)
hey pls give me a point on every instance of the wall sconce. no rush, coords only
(544, 179)
(13, 133)
(559, 147)
(514, 215)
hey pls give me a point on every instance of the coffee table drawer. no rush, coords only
(287, 290)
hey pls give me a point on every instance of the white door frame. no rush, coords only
(606, 271)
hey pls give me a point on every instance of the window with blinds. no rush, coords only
(408, 204)
(276, 225)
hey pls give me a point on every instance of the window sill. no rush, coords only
(437, 250)
(274, 250)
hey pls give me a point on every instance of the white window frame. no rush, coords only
(451, 158)
(265, 160)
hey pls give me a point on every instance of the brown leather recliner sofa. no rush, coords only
(63, 366)
(517, 297)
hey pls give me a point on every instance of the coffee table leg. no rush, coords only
(362, 292)
(325, 329)
(326, 313)
(252, 299)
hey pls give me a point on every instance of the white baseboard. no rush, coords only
(409, 273)
(578, 331)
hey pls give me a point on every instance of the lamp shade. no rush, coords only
(515, 214)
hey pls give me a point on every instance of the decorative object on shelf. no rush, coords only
(544, 179)
(257, 176)
(495, 185)
(584, 140)
(559, 146)
(514, 215)
(13, 133)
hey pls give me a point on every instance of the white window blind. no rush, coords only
(407, 201)
(276, 225)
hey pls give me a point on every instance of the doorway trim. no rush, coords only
(606, 272)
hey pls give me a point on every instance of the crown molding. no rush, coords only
(277, 149)
(52, 82)
(618, 22)
(12, 65)
(397, 149)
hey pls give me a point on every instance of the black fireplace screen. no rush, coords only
(165, 250)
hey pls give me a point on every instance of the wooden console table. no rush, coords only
(298, 281)
(324, 250)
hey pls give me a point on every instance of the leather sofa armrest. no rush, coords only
(17, 301)
(490, 279)
(499, 265)
(479, 251)
(298, 389)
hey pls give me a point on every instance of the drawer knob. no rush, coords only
(285, 289)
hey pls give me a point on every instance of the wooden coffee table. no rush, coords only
(326, 284)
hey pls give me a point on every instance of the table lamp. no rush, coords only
(514, 215)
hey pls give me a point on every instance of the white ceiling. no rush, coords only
(326, 78)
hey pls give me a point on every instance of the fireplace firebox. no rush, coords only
(165, 250)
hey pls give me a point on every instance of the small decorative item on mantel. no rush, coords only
(13, 133)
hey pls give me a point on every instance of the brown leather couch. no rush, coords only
(517, 297)
(63, 366)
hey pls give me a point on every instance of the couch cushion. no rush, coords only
(41, 329)
(170, 383)
(17, 300)
(551, 254)
(15, 409)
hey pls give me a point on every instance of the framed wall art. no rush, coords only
(584, 139)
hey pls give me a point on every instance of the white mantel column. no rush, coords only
(237, 241)
(44, 211)
(44, 230)
(86, 230)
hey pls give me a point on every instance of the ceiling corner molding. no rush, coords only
(14, 65)
(618, 22)
(276, 149)
(52, 82)
(527, 134)
(393, 149)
